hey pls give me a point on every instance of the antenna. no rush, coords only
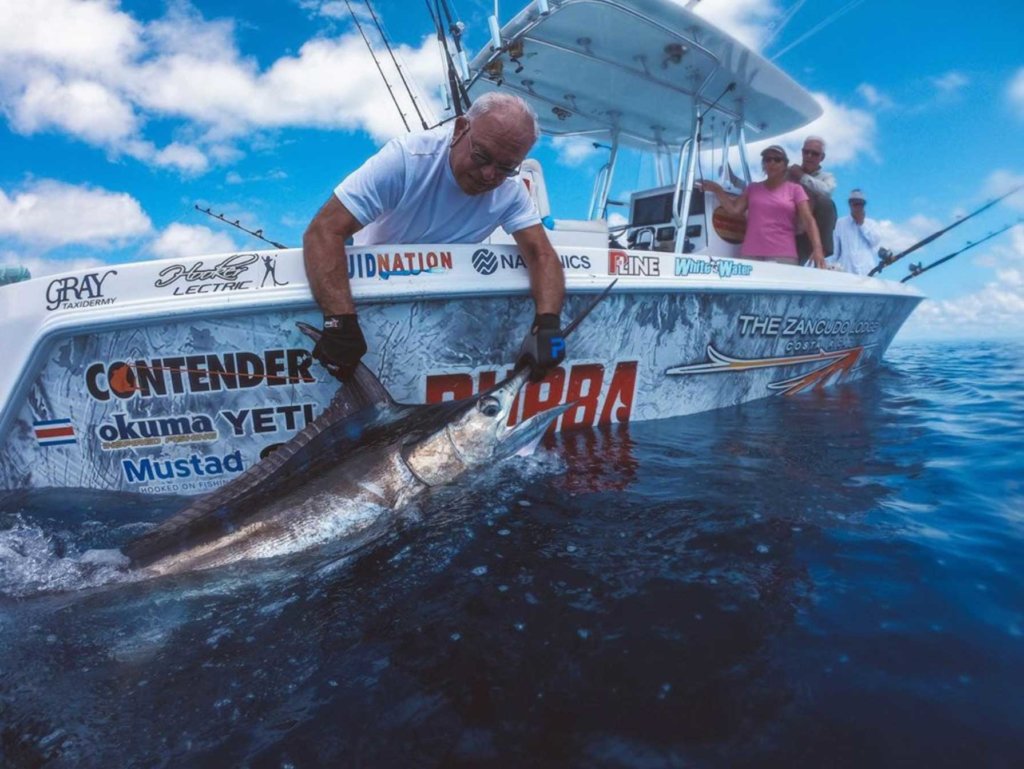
(381, 71)
(254, 233)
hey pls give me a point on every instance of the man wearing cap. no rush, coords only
(819, 185)
(857, 238)
(773, 208)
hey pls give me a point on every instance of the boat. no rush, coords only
(173, 376)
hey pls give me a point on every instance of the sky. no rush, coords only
(117, 118)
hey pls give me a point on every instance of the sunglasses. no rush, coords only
(773, 159)
(482, 160)
(858, 203)
(812, 153)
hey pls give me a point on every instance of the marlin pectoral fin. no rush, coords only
(523, 439)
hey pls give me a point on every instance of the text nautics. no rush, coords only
(75, 292)
(487, 262)
(723, 268)
(780, 325)
(200, 278)
(388, 265)
(211, 372)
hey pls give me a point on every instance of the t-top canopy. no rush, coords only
(636, 68)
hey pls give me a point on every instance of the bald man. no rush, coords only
(819, 185)
(452, 184)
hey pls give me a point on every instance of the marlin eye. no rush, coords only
(489, 406)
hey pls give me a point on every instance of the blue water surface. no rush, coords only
(833, 579)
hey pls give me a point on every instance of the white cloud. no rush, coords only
(50, 213)
(81, 107)
(573, 150)
(180, 240)
(897, 236)
(997, 309)
(874, 97)
(93, 72)
(1000, 182)
(39, 266)
(750, 21)
(1015, 93)
(951, 83)
(84, 36)
(849, 134)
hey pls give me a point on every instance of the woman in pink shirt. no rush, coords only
(772, 208)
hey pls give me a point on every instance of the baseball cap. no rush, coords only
(777, 150)
(857, 195)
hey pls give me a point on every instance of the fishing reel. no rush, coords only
(885, 255)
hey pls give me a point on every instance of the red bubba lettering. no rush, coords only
(585, 388)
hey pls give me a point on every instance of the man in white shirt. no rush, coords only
(857, 238)
(451, 184)
(819, 185)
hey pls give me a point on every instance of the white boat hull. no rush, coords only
(165, 391)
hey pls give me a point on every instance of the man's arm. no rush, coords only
(547, 279)
(871, 233)
(323, 251)
(806, 218)
(823, 184)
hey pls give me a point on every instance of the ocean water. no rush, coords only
(835, 579)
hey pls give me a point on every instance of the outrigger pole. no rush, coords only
(254, 233)
(917, 269)
(943, 231)
(387, 44)
(379, 69)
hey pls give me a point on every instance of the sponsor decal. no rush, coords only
(269, 419)
(835, 365)
(600, 398)
(269, 271)
(199, 278)
(72, 293)
(785, 326)
(723, 268)
(149, 470)
(634, 265)
(54, 432)
(487, 262)
(122, 432)
(211, 372)
(393, 265)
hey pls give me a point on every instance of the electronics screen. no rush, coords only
(657, 208)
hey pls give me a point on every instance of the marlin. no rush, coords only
(346, 474)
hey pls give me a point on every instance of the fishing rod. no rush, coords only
(943, 231)
(254, 233)
(917, 269)
(387, 44)
(373, 56)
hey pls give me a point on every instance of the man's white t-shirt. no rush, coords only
(406, 193)
(856, 245)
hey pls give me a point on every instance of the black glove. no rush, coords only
(544, 346)
(341, 346)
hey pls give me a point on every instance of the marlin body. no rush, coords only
(344, 475)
